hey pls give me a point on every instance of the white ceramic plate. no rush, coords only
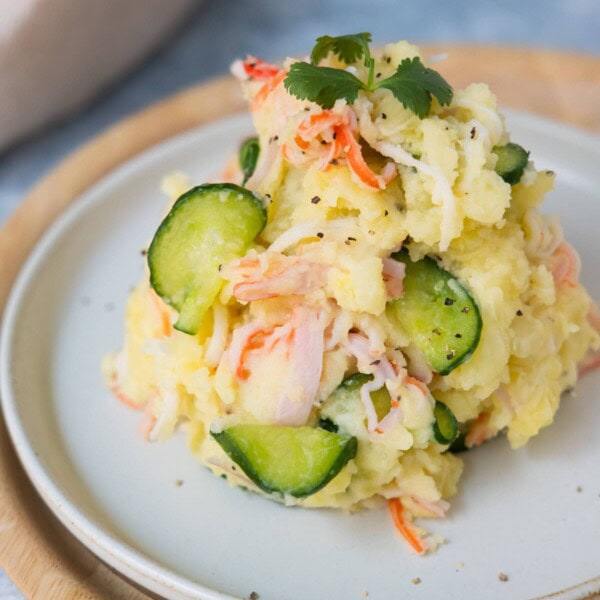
(517, 512)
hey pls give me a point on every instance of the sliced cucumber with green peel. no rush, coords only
(445, 427)
(437, 313)
(351, 385)
(208, 226)
(297, 461)
(249, 152)
(511, 163)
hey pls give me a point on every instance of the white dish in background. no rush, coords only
(516, 512)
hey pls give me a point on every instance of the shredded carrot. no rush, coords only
(267, 88)
(397, 513)
(356, 162)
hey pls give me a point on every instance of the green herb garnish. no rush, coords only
(413, 84)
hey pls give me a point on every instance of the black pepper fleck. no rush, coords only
(333, 162)
(383, 116)
(378, 75)
(388, 59)
(448, 302)
(143, 252)
(502, 576)
(320, 235)
(457, 335)
(519, 313)
(351, 239)
(375, 362)
(436, 331)
(450, 355)
(315, 200)
(465, 309)
(386, 213)
(473, 133)
(253, 596)
(220, 267)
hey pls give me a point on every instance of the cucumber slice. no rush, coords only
(437, 313)
(351, 385)
(445, 427)
(345, 403)
(328, 425)
(297, 461)
(208, 226)
(512, 160)
(248, 156)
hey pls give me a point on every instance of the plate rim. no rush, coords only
(114, 551)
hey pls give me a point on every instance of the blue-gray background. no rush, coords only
(221, 30)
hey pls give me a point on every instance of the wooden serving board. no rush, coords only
(42, 558)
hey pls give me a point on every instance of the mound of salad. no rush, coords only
(368, 291)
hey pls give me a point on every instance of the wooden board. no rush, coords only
(41, 557)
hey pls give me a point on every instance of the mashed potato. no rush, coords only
(327, 238)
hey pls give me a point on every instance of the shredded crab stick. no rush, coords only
(327, 135)
(372, 361)
(479, 431)
(267, 88)
(315, 140)
(296, 349)
(246, 339)
(403, 526)
(166, 327)
(393, 277)
(271, 274)
(565, 265)
(591, 362)
(434, 510)
(147, 423)
(356, 162)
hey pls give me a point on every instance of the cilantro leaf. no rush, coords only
(322, 85)
(349, 48)
(413, 84)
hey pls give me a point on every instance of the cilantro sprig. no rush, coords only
(413, 84)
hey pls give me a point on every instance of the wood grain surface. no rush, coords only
(42, 558)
